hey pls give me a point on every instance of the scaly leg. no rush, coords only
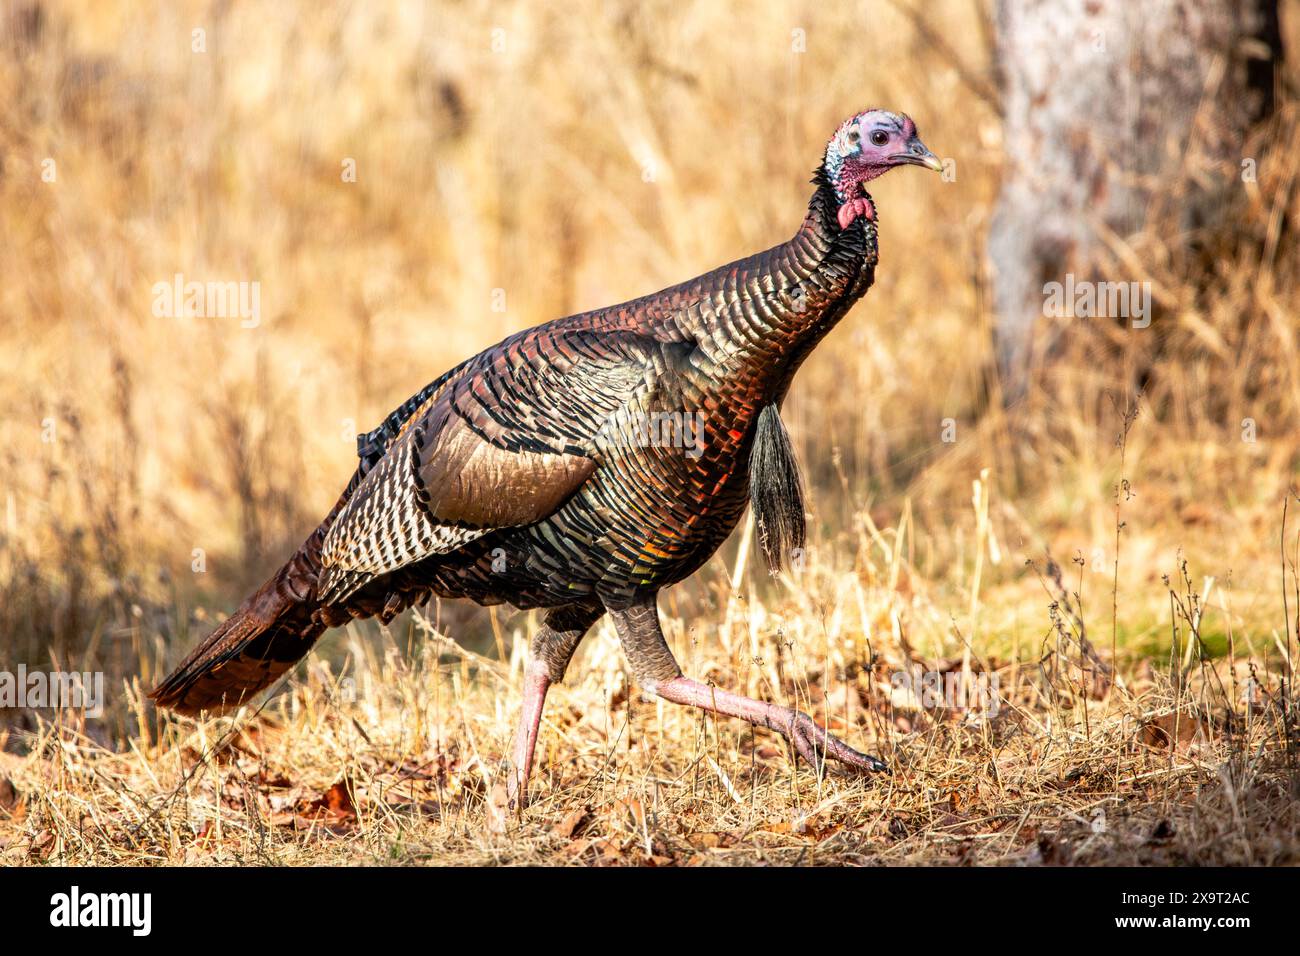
(813, 743)
(656, 669)
(536, 683)
(551, 649)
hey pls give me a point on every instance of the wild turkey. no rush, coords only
(584, 465)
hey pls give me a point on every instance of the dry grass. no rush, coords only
(395, 754)
(395, 758)
(526, 170)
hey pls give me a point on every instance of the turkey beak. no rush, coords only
(918, 155)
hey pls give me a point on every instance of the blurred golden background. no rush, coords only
(516, 162)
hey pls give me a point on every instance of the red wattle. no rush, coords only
(853, 209)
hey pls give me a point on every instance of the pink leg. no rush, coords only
(536, 683)
(549, 653)
(811, 741)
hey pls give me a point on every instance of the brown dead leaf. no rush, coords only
(337, 800)
(334, 810)
(577, 847)
(1183, 730)
(608, 849)
(12, 805)
(572, 822)
(624, 815)
(816, 827)
(825, 832)
(706, 840)
(43, 845)
(498, 808)
(273, 781)
(628, 815)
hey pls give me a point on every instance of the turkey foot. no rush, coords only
(812, 742)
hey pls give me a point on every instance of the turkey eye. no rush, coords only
(880, 137)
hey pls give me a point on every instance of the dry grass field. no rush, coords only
(1118, 549)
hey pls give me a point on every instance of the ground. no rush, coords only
(383, 751)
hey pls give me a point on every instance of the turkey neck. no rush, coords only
(760, 317)
(833, 267)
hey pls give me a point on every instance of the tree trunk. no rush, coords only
(1108, 104)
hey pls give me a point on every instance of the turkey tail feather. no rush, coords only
(269, 633)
